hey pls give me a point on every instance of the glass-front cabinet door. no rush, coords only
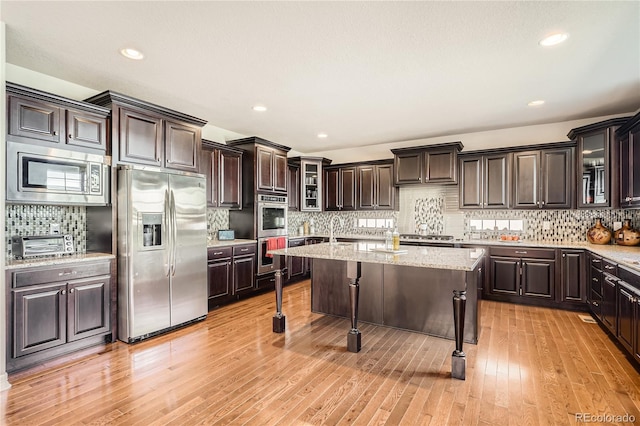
(597, 177)
(311, 185)
(593, 178)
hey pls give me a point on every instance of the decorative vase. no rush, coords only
(627, 236)
(598, 233)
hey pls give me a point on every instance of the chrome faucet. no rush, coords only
(332, 238)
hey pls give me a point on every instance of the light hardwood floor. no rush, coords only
(532, 366)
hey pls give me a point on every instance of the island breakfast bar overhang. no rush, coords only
(463, 260)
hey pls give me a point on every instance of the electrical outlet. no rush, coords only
(617, 225)
(546, 225)
(54, 228)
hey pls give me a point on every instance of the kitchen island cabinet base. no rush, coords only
(440, 282)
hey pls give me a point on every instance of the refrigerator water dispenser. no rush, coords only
(151, 229)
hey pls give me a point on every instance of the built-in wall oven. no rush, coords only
(42, 175)
(272, 228)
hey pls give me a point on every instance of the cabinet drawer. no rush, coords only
(596, 262)
(297, 242)
(59, 273)
(531, 253)
(242, 250)
(610, 267)
(595, 302)
(596, 281)
(218, 252)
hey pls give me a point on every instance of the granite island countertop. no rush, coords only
(465, 259)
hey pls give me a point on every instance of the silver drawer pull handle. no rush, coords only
(64, 274)
(521, 252)
(608, 267)
(594, 279)
(215, 253)
(245, 249)
(595, 260)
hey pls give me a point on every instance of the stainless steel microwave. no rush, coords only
(41, 175)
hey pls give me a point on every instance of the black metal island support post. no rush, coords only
(424, 272)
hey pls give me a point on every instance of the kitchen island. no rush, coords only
(428, 276)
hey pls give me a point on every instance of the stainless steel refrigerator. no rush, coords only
(162, 251)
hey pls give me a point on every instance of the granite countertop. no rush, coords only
(623, 255)
(424, 257)
(57, 260)
(227, 243)
(628, 256)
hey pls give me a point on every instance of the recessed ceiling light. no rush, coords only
(553, 39)
(131, 53)
(323, 135)
(259, 108)
(536, 103)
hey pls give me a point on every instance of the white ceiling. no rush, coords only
(363, 72)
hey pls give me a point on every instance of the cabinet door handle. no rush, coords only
(55, 133)
(594, 279)
(594, 303)
(543, 203)
(521, 252)
(63, 292)
(608, 267)
(595, 260)
(626, 199)
(216, 253)
(564, 255)
(70, 136)
(71, 290)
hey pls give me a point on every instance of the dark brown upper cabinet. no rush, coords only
(376, 190)
(426, 164)
(340, 188)
(272, 169)
(43, 118)
(222, 167)
(597, 178)
(182, 146)
(543, 179)
(264, 167)
(485, 181)
(628, 136)
(140, 140)
(148, 134)
(293, 190)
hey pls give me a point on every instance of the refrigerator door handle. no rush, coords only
(174, 235)
(167, 226)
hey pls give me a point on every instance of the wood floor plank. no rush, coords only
(532, 366)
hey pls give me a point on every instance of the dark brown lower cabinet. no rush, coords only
(50, 315)
(219, 275)
(574, 271)
(626, 315)
(518, 277)
(609, 297)
(244, 272)
(231, 272)
(296, 266)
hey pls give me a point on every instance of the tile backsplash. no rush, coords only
(216, 219)
(436, 207)
(24, 219)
